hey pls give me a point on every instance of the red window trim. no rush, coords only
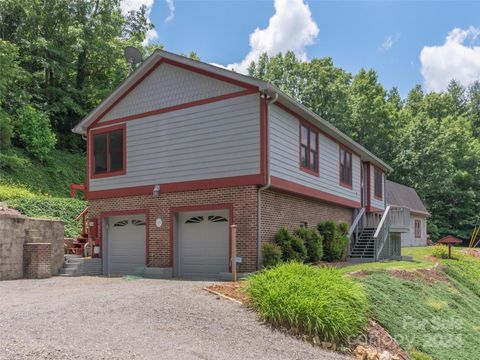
(91, 159)
(342, 183)
(419, 233)
(376, 170)
(303, 167)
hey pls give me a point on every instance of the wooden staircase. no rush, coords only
(364, 247)
(371, 234)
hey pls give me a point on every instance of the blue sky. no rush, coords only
(386, 36)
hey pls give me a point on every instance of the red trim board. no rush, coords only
(285, 185)
(174, 210)
(174, 108)
(248, 88)
(176, 187)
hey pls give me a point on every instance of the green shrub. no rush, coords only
(8, 192)
(292, 247)
(440, 251)
(313, 242)
(310, 300)
(6, 130)
(299, 249)
(334, 240)
(272, 255)
(53, 208)
(418, 355)
(33, 131)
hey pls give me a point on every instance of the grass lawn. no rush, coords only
(421, 260)
(438, 317)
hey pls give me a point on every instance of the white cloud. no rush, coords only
(129, 5)
(171, 8)
(455, 59)
(290, 28)
(387, 43)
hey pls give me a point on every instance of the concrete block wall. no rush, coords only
(15, 231)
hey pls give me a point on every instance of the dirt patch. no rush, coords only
(432, 276)
(234, 290)
(471, 252)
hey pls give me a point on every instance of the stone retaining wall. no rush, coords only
(17, 230)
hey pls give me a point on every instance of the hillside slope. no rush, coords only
(41, 189)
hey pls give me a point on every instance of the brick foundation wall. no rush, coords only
(37, 260)
(243, 199)
(286, 210)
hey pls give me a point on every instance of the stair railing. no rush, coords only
(381, 234)
(83, 215)
(357, 225)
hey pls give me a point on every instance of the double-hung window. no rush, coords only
(378, 183)
(308, 149)
(108, 152)
(345, 167)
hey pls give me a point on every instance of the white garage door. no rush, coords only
(126, 244)
(203, 244)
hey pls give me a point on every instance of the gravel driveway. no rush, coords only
(114, 318)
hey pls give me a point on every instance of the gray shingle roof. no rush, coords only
(401, 195)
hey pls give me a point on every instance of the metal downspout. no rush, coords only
(266, 186)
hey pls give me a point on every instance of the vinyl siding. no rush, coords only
(376, 203)
(409, 239)
(284, 158)
(215, 140)
(166, 86)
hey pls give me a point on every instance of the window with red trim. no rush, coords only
(418, 229)
(108, 152)
(378, 183)
(345, 167)
(308, 148)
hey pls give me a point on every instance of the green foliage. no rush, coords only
(439, 319)
(418, 355)
(292, 247)
(13, 192)
(272, 255)
(33, 131)
(50, 207)
(440, 251)
(63, 57)
(334, 240)
(299, 253)
(313, 242)
(52, 176)
(6, 130)
(310, 300)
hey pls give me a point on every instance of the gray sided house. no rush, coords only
(401, 195)
(183, 150)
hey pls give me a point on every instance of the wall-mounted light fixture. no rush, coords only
(156, 190)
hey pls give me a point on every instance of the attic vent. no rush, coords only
(121, 223)
(138, 222)
(215, 218)
(194, 220)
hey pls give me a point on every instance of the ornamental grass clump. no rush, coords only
(318, 302)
